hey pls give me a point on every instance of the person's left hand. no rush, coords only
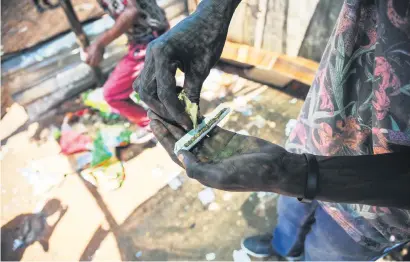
(230, 161)
(94, 54)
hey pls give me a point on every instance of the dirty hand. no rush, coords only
(229, 161)
(194, 45)
(94, 54)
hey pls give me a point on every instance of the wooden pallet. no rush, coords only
(269, 67)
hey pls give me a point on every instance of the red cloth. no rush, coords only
(118, 87)
(72, 142)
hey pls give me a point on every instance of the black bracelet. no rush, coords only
(312, 178)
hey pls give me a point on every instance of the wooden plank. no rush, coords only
(262, 63)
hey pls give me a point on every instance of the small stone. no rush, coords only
(192, 226)
(138, 254)
(239, 213)
(293, 101)
(210, 256)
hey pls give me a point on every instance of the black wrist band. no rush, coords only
(312, 178)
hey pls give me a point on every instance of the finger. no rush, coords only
(166, 88)
(165, 138)
(188, 160)
(175, 130)
(146, 86)
(192, 86)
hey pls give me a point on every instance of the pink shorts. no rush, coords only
(118, 87)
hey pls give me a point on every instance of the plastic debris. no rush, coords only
(108, 176)
(206, 196)
(241, 105)
(100, 152)
(73, 142)
(210, 256)
(95, 99)
(257, 121)
(41, 181)
(175, 183)
(83, 160)
(293, 101)
(213, 206)
(290, 125)
(240, 256)
(138, 254)
(271, 124)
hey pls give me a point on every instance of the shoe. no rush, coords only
(141, 136)
(258, 246)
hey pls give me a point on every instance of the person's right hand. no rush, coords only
(194, 45)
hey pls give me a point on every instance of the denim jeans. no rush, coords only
(307, 230)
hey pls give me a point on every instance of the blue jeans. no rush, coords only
(306, 229)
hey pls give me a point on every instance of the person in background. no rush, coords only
(142, 21)
(347, 159)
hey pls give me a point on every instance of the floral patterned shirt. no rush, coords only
(359, 104)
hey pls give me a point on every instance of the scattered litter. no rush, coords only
(227, 196)
(213, 206)
(241, 105)
(257, 121)
(240, 256)
(83, 160)
(95, 99)
(116, 135)
(293, 101)
(108, 176)
(138, 254)
(239, 213)
(40, 180)
(73, 142)
(290, 125)
(210, 256)
(100, 152)
(257, 98)
(271, 124)
(175, 183)
(206, 196)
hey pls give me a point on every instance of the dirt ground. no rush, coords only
(22, 26)
(141, 221)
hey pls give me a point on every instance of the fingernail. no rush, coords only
(181, 158)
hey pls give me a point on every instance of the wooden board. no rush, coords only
(282, 67)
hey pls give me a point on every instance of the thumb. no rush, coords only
(188, 160)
